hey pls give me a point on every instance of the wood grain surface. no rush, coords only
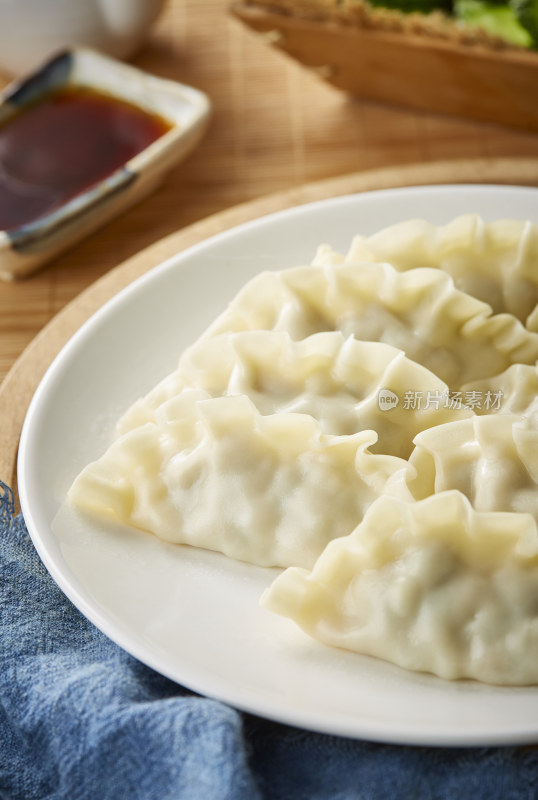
(276, 127)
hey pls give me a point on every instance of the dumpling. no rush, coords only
(420, 312)
(270, 490)
(345, 384)
(492, 460)
(493, 261)
(433, 586)
(514, 391)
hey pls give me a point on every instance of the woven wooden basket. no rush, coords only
(424, 63)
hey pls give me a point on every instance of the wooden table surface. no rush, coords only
(275, 126)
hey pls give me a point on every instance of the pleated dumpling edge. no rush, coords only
(431, 586)
(492, 261)
(270, 490)
(347, 385)
(420, 311)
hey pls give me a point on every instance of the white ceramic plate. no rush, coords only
(194, 615)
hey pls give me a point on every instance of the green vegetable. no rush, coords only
(516, 21)
(526, 12)
(498, 20)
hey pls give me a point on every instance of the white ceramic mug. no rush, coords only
(32, 30)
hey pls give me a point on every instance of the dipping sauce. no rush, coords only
(64, 144)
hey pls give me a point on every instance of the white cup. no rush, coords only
(33, 30)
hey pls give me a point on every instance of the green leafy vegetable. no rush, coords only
(515, 21)
(526, 12)
(498, 20)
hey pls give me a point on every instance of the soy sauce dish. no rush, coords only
(81, 140)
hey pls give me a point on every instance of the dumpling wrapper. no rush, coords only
(345, 384)
(492, 460)
(495, 262)
(270, 490)
(514, 391)
(420, 312)
(432, 586)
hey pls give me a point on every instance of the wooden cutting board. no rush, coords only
(24, 377)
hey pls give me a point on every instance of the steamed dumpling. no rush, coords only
(493, 261)
(514, 391)
(282, 438)
(420, 312)
(432, 586)
(271, 490)
(492, 460)
(345, 384)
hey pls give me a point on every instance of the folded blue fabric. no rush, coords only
(80, 718)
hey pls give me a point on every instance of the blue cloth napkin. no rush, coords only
(80, 718)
